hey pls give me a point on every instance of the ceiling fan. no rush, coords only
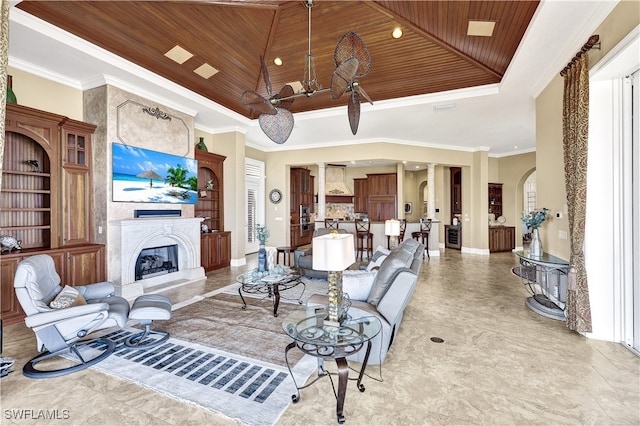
(352, 61)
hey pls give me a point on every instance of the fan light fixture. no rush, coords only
(351, 59)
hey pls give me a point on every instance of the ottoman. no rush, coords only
(145, 309)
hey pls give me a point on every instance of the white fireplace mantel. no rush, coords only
(131, 236)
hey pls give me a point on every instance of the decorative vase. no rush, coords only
(262, 259)
(271, 259)
(11, 97)
(535, 249)
(202, 146)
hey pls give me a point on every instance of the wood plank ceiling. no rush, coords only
(435, 53)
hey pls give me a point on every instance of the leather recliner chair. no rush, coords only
(60, 331)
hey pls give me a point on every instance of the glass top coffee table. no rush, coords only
(310, 335)
(270, 285)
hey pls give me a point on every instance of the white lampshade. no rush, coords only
(391, 228)
(333, 252)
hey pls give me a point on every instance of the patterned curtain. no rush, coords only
(4, 59)
(575, 133)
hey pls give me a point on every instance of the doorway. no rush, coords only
(254, 202)
(612, 245)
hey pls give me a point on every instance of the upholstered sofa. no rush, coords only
(382, 293)
(303, 256)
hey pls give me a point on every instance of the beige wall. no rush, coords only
(512, 173)
(549, 154)
(60, 99)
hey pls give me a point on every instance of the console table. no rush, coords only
(545, 277)
(309, 333)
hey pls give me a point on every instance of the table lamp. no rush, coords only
(334, 253)
(392, 231)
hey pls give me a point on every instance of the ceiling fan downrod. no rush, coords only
(309, 80)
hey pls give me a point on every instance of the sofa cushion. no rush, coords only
(384, 278)
(379, 252)
(358, 283)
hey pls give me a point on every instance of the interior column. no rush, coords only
(431, 191)
(321, 194)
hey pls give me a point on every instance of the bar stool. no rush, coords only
(364, 238)
(423, 234)
(331, 223)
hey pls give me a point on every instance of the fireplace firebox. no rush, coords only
(154, 261)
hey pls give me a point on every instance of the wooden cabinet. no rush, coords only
(301, 184)
(80, 265)
(11, 310)
(382, 184)
(215, 250)
(301, 234)
(382, 201)
(456, 191)
(360, 195)
(502, 238)
(210, 189)
(47, 198)
(382, 207)
(301, 189)
(77, 194)
(215, 247)
(314, 198)
(495, 199)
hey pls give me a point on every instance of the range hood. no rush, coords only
(335, 184)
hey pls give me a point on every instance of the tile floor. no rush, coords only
(500, 363)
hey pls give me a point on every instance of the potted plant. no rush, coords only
(533, 220)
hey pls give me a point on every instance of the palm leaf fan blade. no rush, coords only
(255, 102)
(343, 77)
(353, 111)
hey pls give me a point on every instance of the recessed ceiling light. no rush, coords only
(397, 32)
(417, 167)
(515, 147)
(481, 28)
(205, 70)
(179, 54)
(277, 61)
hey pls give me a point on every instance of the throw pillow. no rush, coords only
(375, 264)
(379, 251)
(67, 297)
(357, 284)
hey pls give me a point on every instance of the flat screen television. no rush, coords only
(145, 176)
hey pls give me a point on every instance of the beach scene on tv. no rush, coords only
(145, 176)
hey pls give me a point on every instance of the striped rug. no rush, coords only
(251, 391)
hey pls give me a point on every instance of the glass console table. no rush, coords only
(310, 335)
(545, 277)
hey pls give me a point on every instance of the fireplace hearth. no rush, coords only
(154, 253)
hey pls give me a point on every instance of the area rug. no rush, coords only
(254, 392)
